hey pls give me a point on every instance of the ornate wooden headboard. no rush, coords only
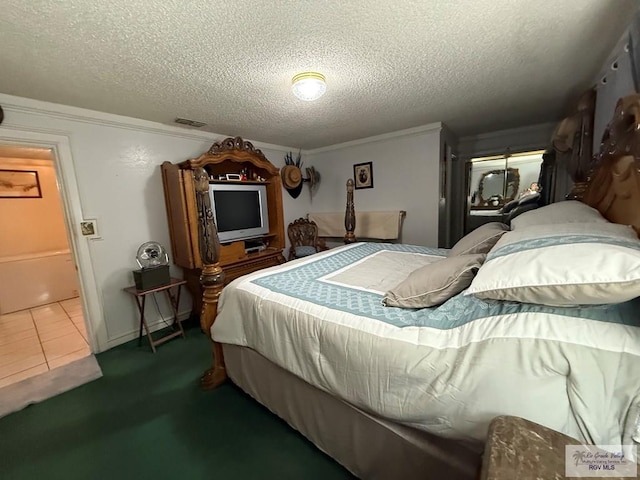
(614, 182)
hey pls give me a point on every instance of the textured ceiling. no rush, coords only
(477, 65)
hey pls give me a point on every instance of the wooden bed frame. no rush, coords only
(612, 187)
(212, 278)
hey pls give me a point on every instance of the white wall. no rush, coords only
(405, 177)
(24, 219)
(117, 166)
(117, 160)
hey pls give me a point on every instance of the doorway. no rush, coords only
(66, 317)
(42, 325)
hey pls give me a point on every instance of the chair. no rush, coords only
(303, 236)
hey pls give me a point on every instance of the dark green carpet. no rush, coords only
(147, 418)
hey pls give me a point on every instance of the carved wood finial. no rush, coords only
(350, 215)
(212, 277)
(235, 144)
(208, 233)
(614, 182)
(622, 134)
(572, 141)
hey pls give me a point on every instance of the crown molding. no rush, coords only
(30, 106)
(519, 138)
(11, 103)
(377, 138)
(509, 132)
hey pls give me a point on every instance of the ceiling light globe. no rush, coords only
(309, 86)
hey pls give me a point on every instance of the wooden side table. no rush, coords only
(174, 300)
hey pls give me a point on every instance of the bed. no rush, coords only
(393, 392)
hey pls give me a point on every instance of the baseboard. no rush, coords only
(133, 334)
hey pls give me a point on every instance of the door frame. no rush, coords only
(72, 208)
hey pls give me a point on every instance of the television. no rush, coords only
(239, 210)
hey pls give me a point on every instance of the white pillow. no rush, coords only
(562, 265)
(605, 229)
(569, 211)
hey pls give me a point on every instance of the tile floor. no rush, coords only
(39, 339)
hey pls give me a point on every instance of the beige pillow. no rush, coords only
(481, 240)
(434, 283)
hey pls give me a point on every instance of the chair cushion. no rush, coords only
(304, 250)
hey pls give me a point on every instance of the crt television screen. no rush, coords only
(237, 210)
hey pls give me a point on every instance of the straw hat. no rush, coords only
(291, 177)
(313, 177)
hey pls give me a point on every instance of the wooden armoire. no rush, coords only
(194, 238)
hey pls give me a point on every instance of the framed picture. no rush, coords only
(89, 228)
(363, 175)
(19, 184)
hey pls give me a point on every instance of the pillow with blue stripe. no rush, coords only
(562, 265)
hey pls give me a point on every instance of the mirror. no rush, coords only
(496, 180)
(493, 191)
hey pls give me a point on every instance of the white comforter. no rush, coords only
(448, 370)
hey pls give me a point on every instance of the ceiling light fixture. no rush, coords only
(309, 86)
